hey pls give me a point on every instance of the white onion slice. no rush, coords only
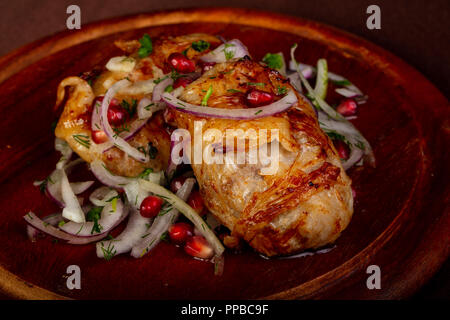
(80, 187)
(117, 140)
(147, 107)
(307, 70)
(100, 196)
(236, 114)
(295, 81)
(47, 228)
(162, 223)
(95, 119)
(53, 186)
(160, 87)
(65, 150)
(72, 209)
(235, 49)
(134, 231)
(135, 194)
(109, 219)
(107, 178)
(52, 220)
(187, 211)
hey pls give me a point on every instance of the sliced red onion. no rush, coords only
(116, 139)
(162, 223)
(233, 49)
(330, 125)
(346, 92)
(357, 140)
(98, 168)
(52, 219)
(134, 231)
(109, 219)
(307, 70)
(349, 91)
(160, 87)
(96, 123)
(236, 114)
(80, 187)
(47, 228)
(295, 81)
(100, 196)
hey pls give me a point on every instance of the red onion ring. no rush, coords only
(235, 47)
(236, 114)
(37, 223)
(107, 178)
(160, 87)
(117, 140)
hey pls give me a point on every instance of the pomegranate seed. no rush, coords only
(347, 107)
(206, 66)
(151, 206)
(116, 115)
(195, 200)
(259, 98)
(182, 81)
(177, 183)
(181, 232)
(342, 149)
(180, 63)
(197, 246)
(99, 136)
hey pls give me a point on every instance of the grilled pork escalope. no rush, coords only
(306, 203)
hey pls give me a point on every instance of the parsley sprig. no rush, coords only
(146, 46)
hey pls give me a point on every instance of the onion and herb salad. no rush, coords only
(153, 201)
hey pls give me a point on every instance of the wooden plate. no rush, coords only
(401, 220)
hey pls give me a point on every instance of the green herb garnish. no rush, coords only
(281, 91)
(144, 174)
(160, 79)
(169, 88)
(228, 53)
(273, 60)
(130, 108)
(200, 45)
(342, 83)
(146, 46)
(234, 91)
(83, 140)
(94, 215)
(256, 84)
(108, 253)
(207, 96)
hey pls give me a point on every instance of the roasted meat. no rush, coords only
(306, 203)
(78, 96)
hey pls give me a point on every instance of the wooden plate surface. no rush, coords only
(401, 221)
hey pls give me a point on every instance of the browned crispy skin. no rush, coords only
(306, 204)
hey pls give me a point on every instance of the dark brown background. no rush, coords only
(418, 31)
